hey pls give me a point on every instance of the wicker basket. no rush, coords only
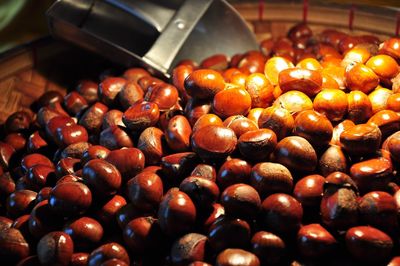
(28, 71)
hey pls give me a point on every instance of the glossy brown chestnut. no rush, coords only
(304, 80)
(50, 97)
(43, 194)
(257, 145)
(194, 109)
(189, 248)
(361, 78)
(202, 191)
(213, 142)
(232, 172)
(88, 89)
(332, 103)
(141, 115)
(33, 159)
(75, 150)
(13, 246)
(205, 171)
(106, 212)
(240, 124)
(145, 190)
(74, 103)
(204, 83)
(278, 120)
(164, 95)
(92, 118)
(135, 73)
(113, 118)
(175, 167)
(268, 247)
(130, 94)
(64, 201)
(296, 153)
(18, 122)
(43, 220)
(379, 98)
(362, 139)
(20, 202)
(231, 101)
(281, 213)
(228, 232)
(314, 127)
(66, 166)
(368, 244)
(314, 241)
(373, 174)
(36, 142)
(79, 259)
(207, 120)
(294, 102)
(252, 62)
(7, 186)
(71, 134)
(274, 66)
(85, 232)
(106, 252)
(177, 213)
(142, 234)
(241, 200)
(269, 178)
(101, 177)
(236, 257)
(115, 137)
(393, 102)
(260, 90)
(151, 143)
(128, 212)
(40, 175)
(392, 144)
(379, 210)
(128, 161)
(388, 122)
(384, 66)
(179, 74)
(333, 160)
(109, 89)
(215, 62)
(178, 133)
(16, 140)
(94, 152)
(55, 248)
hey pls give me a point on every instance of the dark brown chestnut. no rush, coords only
(55, 248)
(236, 257)
(233, 171)
(257, 145)
(268, 247)
(145, 190)
(106, 252)
(128, 161)
(86, 232)
(314, 241)
(189, 248)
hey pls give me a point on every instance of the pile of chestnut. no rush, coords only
(285, 156)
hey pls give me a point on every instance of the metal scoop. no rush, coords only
(155, 33)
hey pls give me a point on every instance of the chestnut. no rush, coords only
(94, 152)
(204, 83)
(278, 120)
(384, 66)
(130, 94)
(107, 252)
(314, 127)
(92, 118)
(393, 102)
(79, 259)
(315, 241)
(20, 202)
(203, 192)
(179, 74)
(141, 115)
(240, 124)
(379, 98)
(269, 178)
(362, 139)
(177, 213)
(16, 140)
(40, 175)
(372, 174)
(297, 79)
(194, 109)
(55, 248)
(189, 248)
(142, 234)
(145, 190)
(88, 90)
(33, 159)
(241, 200)
(65, 166)
(84, 231)
(213, 142)
(115, 137)
(268, 247)
(64, 202)
(274, 66)
(109, 89)
(228, 232)
(42, 220)
(368, 244)
(164, 95)
(362, 78)
(207, 120)
(294, 101)
(128, 212)
(205, 171)
(231, 101)
(106, 211)
(233, 171)
(236, 257)
(18, 122)
(112, 118)
(257, 145)
(260, 90)
(50, 97)
(135, 73)
(7, 186)
(175, 167)
(379, 209)
(339, 207)
(151, 143)
(74, 103)
(333, 103)
(71, 134)
(332, 160)
(281, 213)
(360, 107)
(13, 246)
(178, 133)
(75, 150)
(296, 153)
(388, 122)
(101, 177)
(215, 62)
(128, 161)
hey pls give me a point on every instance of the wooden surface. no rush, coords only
(27, 72)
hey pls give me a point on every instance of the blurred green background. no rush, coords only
(22, 21)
